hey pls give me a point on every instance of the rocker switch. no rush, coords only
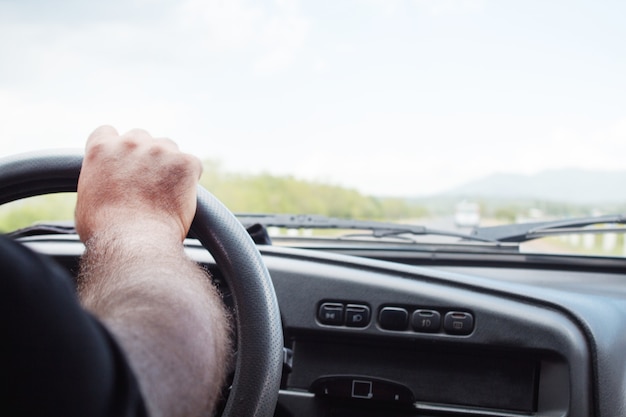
(331, 314)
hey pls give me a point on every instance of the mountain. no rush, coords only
(564, 185)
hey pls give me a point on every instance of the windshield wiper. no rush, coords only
(376, 229)
(45, 228)
(523, 232)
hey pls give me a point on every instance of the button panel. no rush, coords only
(399, 318)
(340, 314)
(426, 320)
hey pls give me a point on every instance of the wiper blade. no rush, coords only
(523, 232)
(48, 228)
(258, 234)
(377, 229)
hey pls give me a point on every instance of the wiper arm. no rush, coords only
(377, 229)
(47, 228)
(523, 232)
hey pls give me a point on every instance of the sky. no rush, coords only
(391, 97)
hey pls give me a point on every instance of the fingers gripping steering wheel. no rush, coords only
(259, 334)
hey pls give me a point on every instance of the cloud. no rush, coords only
(149, 37)
(282, 37)
(447, 7)
(615, 134)
(388, 7)
(320, 66)
(222, 24)
(28, 125)
(276, 32)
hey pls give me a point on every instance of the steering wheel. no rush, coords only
(259, 360)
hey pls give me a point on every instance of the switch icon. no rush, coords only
(357, 315)
(428, 321)
(331, 314)
(458, 323)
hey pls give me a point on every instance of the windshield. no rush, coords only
(450, 114)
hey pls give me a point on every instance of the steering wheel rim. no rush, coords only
(259, 360)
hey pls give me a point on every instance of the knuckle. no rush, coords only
(138, 134)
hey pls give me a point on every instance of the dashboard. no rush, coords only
(372, 338)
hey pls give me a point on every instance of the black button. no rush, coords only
(393, 318)
(458, 323)
(357, 315)
(428, 321)
(331, 313)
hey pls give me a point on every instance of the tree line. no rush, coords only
(267, 193)
(241, 193)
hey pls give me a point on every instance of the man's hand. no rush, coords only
(136, 202)
(132, 179)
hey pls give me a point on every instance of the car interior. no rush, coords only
(390, 194)
(360, 329)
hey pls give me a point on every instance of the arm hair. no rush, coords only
(165, 313)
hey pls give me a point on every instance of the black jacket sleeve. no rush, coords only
(57, 359)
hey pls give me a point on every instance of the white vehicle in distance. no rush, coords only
(467, 214)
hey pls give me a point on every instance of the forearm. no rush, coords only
(164, 312)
